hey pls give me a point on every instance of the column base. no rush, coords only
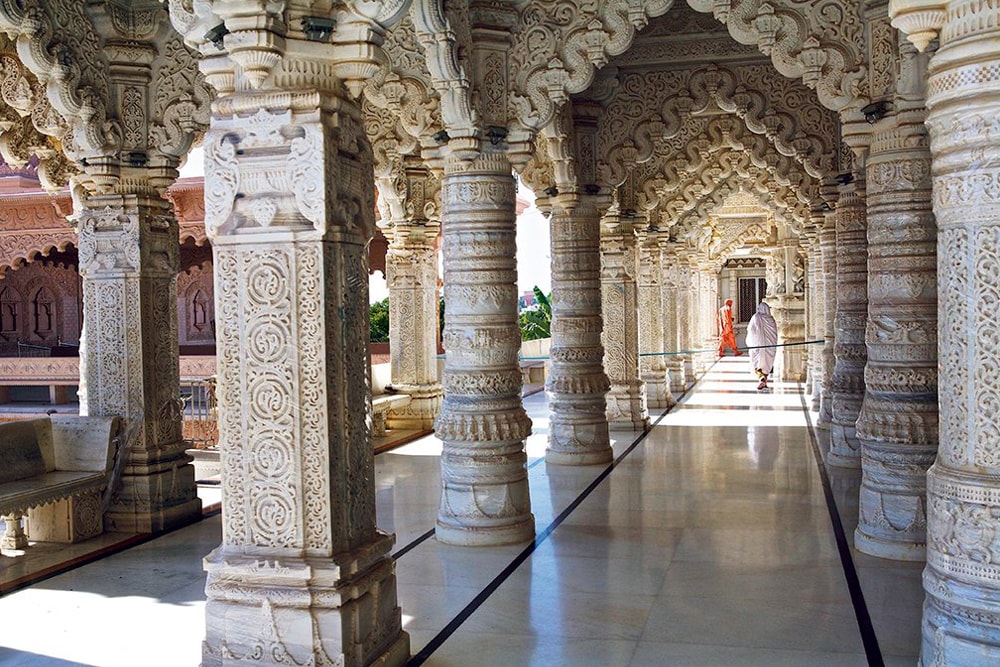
(961, 622)
(579, 443)
(425, 404)
(658, 393)
(485, 535)
(845, 450)
(889, 549)
(155, 497)
(270, 609)
(627, 408)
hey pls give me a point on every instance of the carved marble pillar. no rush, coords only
(670, 293)
(303, 575)
(576, 384)
(898, 424)
(852, 314)
(652, 368)
(412, 278)
(484, 479)
(686, 322)
(129, 260)
(814, 310)
(961, 623)
(828, 245)
(627, 408)
(790, 313)
(708, 308)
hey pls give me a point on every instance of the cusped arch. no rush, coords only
(821, 43)
(648, 110)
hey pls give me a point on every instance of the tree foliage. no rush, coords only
(536, 322)
(379, 332)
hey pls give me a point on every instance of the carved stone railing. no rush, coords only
(46, 371)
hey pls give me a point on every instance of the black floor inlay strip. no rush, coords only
(865, 627)
(470, 608)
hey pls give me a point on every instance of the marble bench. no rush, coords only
(381, 405)
(55, 470)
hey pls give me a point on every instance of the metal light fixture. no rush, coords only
(496, 134)
(875, 111)
(318, 28)
(216, 35)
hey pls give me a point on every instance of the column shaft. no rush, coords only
(627, 399)
(302, 575)
(671, 295)
(898, 425)
(129, 259)
(852, 313)
(484, 479)
(652, 368)
(961, 624)
(577, 384)
(411, 274)
(828, 243)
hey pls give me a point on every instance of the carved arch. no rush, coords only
(823, 43)
(648, 110)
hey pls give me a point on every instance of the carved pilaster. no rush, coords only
(828, 244)
(789, 311)
(707, 291)
(898, 424)
(302, 575)
(961, 623)
(652, 368)
(619, 253)
(484, 496)
(852, 313)
(671, 296)
(412, 278)
(129, 260)
(577, 384)
(686, 320)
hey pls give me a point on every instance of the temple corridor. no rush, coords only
(707, 542)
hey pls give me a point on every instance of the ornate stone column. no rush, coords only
(652, 368)
(790, 311)
(828, 245)
(303, 575)
(129, 259)
(961, 624)
(852, 313)
(898, 424)
(412, 277)
(576, 384)
(708, 308)
(670, 293)
(686, 322)
(814, 309)
(627, 399)
(484, 479)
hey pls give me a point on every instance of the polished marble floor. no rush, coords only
(708, 542)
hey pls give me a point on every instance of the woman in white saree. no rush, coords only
(762, 336)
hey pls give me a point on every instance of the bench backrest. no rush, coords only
(26, 449)
(32, 447)
(83, 443)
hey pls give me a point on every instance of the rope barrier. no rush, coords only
(670, 354)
